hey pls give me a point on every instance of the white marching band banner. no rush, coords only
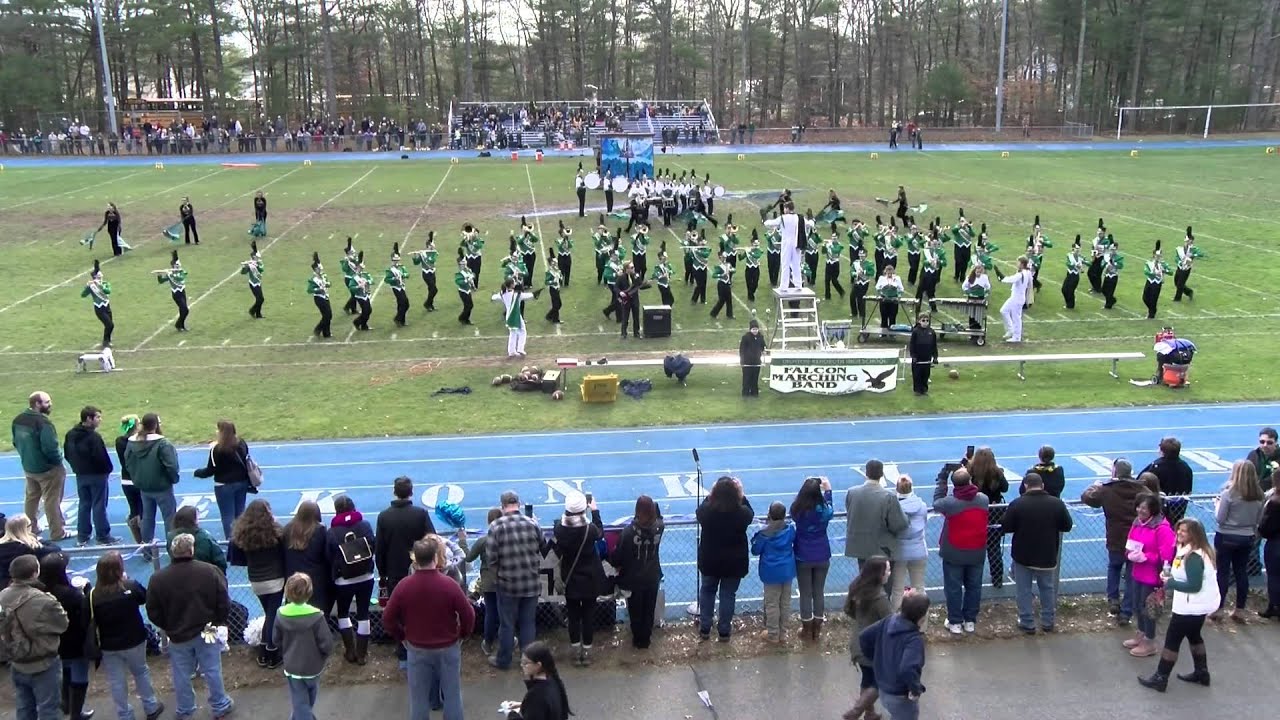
(833, 372)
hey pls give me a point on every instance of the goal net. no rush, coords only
(1197, 120)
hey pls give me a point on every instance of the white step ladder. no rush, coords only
(796, 326)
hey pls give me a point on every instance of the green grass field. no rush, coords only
(278, 382)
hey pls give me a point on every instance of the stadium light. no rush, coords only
(108, 95)
(1004, 36)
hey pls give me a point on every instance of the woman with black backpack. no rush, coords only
(351, 545)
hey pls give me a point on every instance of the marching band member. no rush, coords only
(637, 211)
(903, 208)
(612, 269)
(254, 269)
(603, 245)
(833, 251)
(513, 264)
(607, 182)
(473, 246)
(358, 284)
(962, 237)
(983, 249)
(1011, 311)
(552, 280)
(729, 241)
(98, 290)
(932, 261)
(259, 228)
(831, 213)
(976, 288)
(723, 275)
(348, 260)
(1188, 253)
(751, 256)
(395, 280)
(111, 221)
(1098, 249)
(580, 186)
(668, 199)
(1036, 244)
(629, 284)
(878, 242)
(1075, 265)
(857, 233)
(318, 289)
(564, 253)
(812, 247)
(860, 273)
(512, 298)
(690, 245)
(640, 249)
(915, 243)
(528, 242)
(780, 205)
(773, 255)
(425, 259)
(662, 273)
(176, 277)
(1155, 270)
(889, 288)
(891, 244)
(791, 229)
(188, 215)
(465, 282)
(708, 196)
(701, 256)
(1112, 264)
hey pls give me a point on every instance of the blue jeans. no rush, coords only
(429, 669)
(302, 697)
(1138, 594)
(516, 615)
(270, 606)
(119, 664)
(962, 585)
(490, 617)
(901, 707)
(76, 671)
(184, 659)
(1118, 570)
(92, 513)
(727, 589)
(38, 696)
(1046, 583)
(230, 500)
(1233, 553)
(166, 504)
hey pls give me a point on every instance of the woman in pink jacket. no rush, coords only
(1150, 547)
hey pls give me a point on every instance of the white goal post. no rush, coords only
(1208, 112)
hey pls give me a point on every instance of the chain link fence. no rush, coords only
(1083, 568)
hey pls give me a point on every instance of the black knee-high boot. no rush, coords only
(1200, 675)
(1159, 681)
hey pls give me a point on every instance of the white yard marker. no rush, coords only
(181, 343)
(264, 342)
(226, 342)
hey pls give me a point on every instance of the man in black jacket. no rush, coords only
(1175, 478)
(1036, 520)
(750, 357)
(923, 349)
(87, 454)
(1055, 480)
(399, 527)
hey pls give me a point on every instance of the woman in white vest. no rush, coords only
(1195, 595)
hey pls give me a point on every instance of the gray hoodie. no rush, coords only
(302, 634)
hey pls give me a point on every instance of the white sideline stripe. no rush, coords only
(274, 240)
(405, 244)
(73, 278)
(70, 192)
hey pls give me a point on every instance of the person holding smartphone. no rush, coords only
(580, 570)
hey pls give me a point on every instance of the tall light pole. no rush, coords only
(108, 94)
(1004, 34)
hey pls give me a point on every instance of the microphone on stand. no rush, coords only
(695, 455)
(693, 609)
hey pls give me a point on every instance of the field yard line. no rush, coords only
(71, 192)
(405, 244)
(77, 276)
(274, 240)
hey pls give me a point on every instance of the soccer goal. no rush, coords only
(1192, 120)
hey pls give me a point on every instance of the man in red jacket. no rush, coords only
(430, 615)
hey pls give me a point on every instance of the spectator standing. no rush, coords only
(1149, 546)
(36, 441)
(129, 427)
(874, 519)
(1265, 457)
(306, 550)
(638, 561)
(228, 465)
(114, 605)
(750, 354)
(75, 665)
(350, 539)
(811, 512)
(1174, 476)
(1051, 474)
(775, 546)
(1269, 530)
(187, 522)
(153, 465)
(1238, 512)
(184, 600)
(989, 477)
(895, 647)
(580, 571)
(545, 697)
(19, 539)
(1117, 496)
(488, 584)
(914, 553)
(399, 527)
(1037, 521)
(922, 348)
(722, 554)
(38, 622)
(1194, 596)
(87, 454)
(515, 549)
(259, 544)
(866, 604)
(302, 634)
(430, 615)
(962, 547)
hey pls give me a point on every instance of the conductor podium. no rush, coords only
(657, 321)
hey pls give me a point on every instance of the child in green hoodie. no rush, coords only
(302, 634)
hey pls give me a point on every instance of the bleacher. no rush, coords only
(693, 126)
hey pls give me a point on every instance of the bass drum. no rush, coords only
(718, 191)
(592, 180)
(620, 184)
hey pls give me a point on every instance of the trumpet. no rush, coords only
(161, 272)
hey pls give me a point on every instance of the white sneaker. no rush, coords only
(968, 627)
(954, 628)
